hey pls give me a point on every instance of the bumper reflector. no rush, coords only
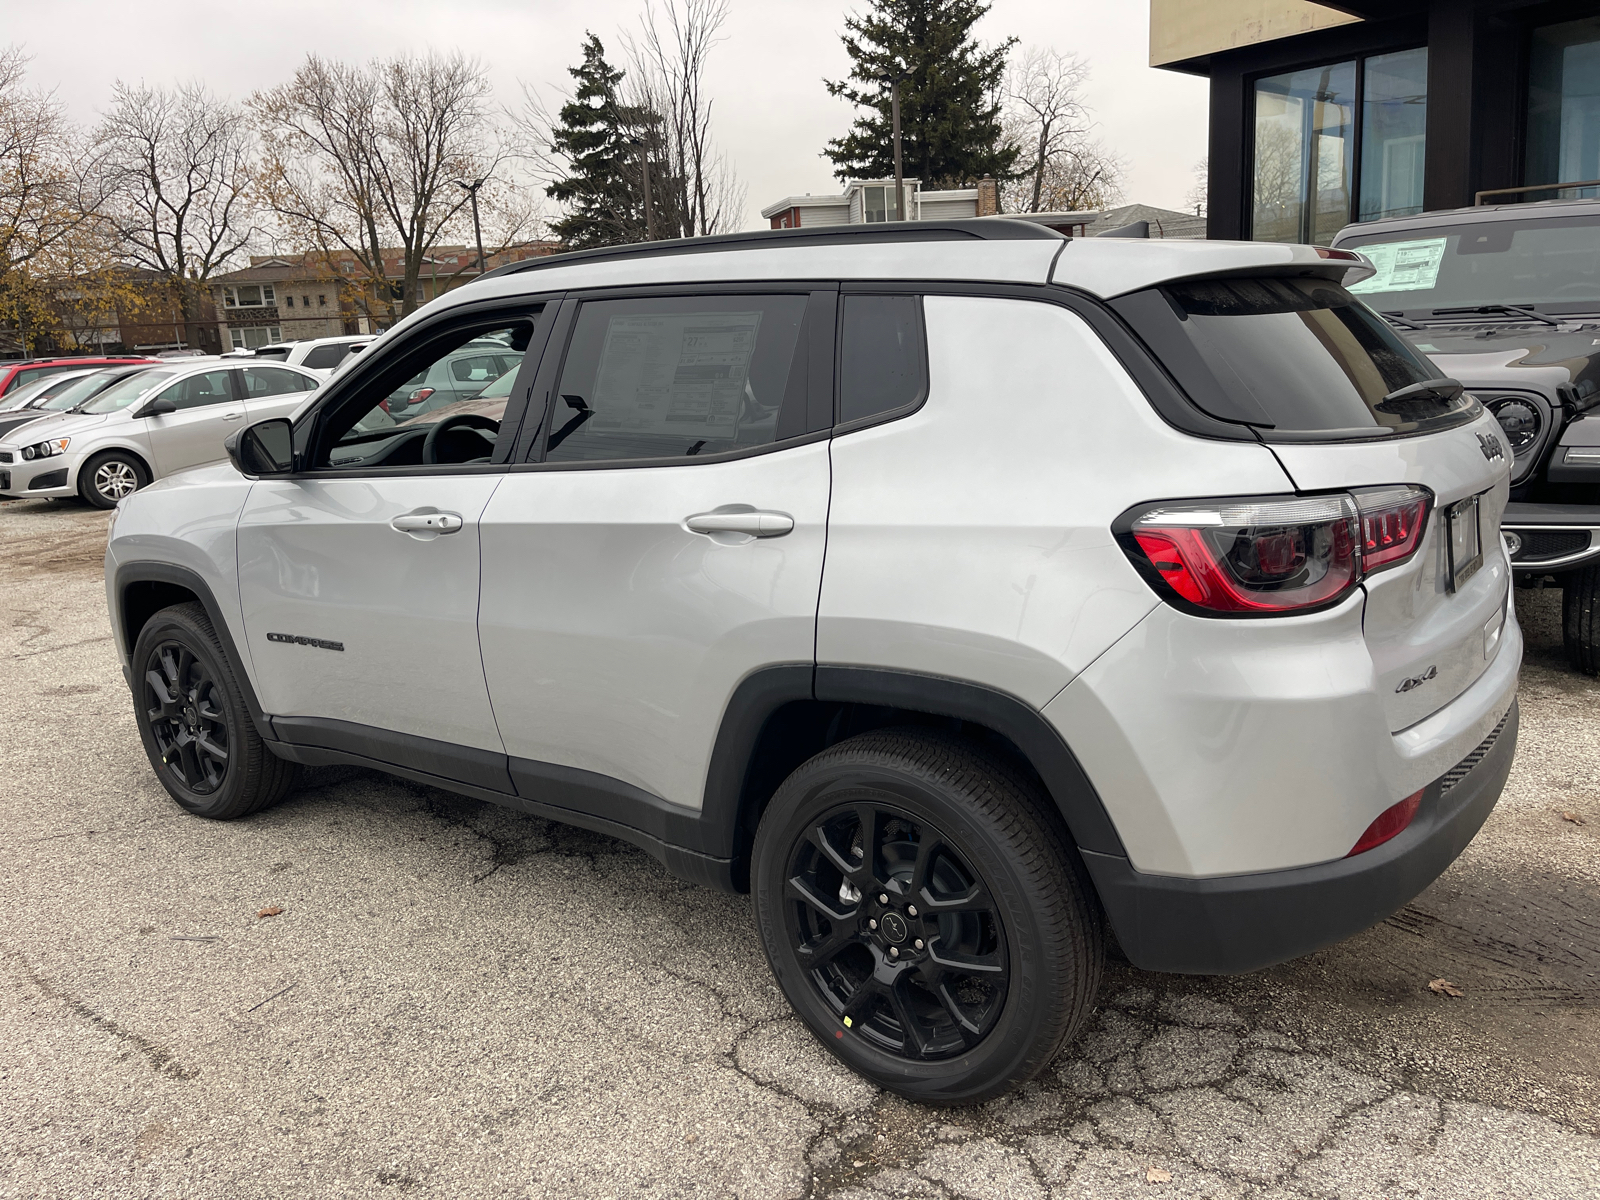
(1391, 821)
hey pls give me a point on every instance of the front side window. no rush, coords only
(197, 391)
(883, 366)
(677, 377)
(424, 408)
(1293, 355)
(1564, 107)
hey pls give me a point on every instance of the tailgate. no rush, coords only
(1430, 635)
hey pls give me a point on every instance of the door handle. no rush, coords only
(233, 416)
(427, 522)
(750, 523)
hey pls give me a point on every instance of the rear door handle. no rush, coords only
(753, 524)
(427, 522)
(233, 416)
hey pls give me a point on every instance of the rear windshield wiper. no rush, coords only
(1513, 309)
(1442, 388)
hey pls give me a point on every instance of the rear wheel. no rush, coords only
(107, 478)
(919, 905)
(194, 723)
(1580, 619)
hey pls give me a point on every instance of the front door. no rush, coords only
(209, 409)
(359, 577)
(665, 542)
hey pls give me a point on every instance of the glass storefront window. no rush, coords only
(1304, 154)
(1394, 120)
(1564, 107)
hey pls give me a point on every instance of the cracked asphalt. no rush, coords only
(458, 1001)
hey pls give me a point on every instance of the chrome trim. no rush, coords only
(1584, 555)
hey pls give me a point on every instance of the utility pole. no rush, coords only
(477, 230)
(894, 80)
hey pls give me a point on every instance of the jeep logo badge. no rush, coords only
(1417, 681)
(1490, 445)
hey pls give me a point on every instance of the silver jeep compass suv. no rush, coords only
(962, 591)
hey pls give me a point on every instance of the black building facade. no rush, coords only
(1418, 105)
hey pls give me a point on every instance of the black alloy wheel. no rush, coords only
(187, 716)
(899, 934)
(195, 723)
(924, 911)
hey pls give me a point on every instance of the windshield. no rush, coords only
(126, 391)
(29, 392)
(79, 390)
(1550, 263)
(1299, 357)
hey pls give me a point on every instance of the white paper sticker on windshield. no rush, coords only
(1403, 266)
(675, 374)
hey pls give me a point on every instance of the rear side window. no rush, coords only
(680, 376)
(273, 381)
(322, 358)
(883, 366)
(32, 373)
(1302, 358)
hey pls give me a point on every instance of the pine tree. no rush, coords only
(949, 106)
(599, 136)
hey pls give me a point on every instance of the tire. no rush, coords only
(182, 683)
(1580, 619)
(107, 478)
(990, 847)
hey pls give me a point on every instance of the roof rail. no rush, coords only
(980, 228)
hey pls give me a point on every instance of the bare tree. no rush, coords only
(49, 208)
(178, 168)
(363, 159)
(668, 78)
(1060, 166)
(1200, 190)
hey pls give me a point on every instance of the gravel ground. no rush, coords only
(458, 1001)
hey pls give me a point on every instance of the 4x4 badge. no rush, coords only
(1490, 445)
(1417, 681)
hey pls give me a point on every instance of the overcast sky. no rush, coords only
(772, 115)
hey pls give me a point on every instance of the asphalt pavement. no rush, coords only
(459, 1001)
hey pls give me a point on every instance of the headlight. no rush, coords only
(46, 449)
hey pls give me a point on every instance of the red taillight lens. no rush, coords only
(1253, 556)
(418, 396)
(1391, 821)
(1392, 521)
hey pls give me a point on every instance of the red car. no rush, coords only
(20, 371)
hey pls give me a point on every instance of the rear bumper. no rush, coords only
(1554, 537)
(1225, 925)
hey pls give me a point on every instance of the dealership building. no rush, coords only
(1324, 114)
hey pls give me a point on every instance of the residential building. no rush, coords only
(1324, 114)
(865, 201)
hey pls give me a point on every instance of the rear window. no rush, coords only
(1297, 358)
(324, 358)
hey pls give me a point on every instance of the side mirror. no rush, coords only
(158, 408)
(265, 448)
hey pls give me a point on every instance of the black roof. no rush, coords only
(980, 228)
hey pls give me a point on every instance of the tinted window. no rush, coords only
(882, 364)
(1292, 355)
(322, 358)
(197, 391)
(32, 373)
(672, 377)
(387, 421)
(278, 352)
(273, 381)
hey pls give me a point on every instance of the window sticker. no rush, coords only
(675, 374)
(1402, 266)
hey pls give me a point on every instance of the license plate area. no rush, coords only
(1463, 541)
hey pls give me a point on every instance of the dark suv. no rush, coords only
(1506, 299)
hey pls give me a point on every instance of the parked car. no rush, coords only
(323, 356)
(1161, 591)
(62, 393)
(163, 418)
(1506, 299)
(23, 371)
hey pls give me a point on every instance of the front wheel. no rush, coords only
(1580, 619)
(107, 478)
(918, 903)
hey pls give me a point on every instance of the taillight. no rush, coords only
(418, 396)
(1273, 554)
(1390, 822)
(1392, 521)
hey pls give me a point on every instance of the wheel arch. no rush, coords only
(111, 448)
(781, 716)
(143, 589)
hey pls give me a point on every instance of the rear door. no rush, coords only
(209, 409)
(273, 391)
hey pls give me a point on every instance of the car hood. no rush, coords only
(1538, 358)
(54, 425)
